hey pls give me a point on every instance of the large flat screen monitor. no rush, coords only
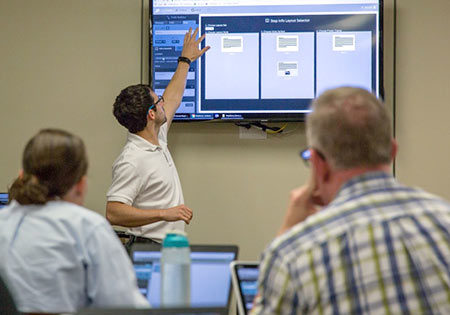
(268, 58)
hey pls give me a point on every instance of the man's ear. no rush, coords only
(394, 149)
(151, 115)
(21, 173)
(321, 167)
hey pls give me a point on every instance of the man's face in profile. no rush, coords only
(159, 108)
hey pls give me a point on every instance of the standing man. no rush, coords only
(376, 246)
(145, 194)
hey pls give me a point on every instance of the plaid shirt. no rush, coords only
(378, 248)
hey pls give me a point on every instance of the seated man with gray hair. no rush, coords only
(354, 240)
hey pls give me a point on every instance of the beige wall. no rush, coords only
(62, 63)
(423, 94)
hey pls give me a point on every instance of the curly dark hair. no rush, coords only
(131, 107)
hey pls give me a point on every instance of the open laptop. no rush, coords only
(3, 200)
(210, 273)
(245, 284)
(154, 311)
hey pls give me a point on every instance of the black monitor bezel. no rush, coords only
(270, 117)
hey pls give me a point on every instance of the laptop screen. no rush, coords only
(156, 311)
(245, 281)
(3, 200)
(210, 273)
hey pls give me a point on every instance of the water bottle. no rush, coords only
(175, 270)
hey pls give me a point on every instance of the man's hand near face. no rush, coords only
(304, 201)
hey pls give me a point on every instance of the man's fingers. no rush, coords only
(188, 210)
(182, 212)
(194, 36)
(201, 38)
(186, 213)
(187, 219)
(205, 49)
(187, 35)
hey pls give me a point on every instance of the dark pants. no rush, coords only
(138, 239)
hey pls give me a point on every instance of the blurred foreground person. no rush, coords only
(57, 256)
(376, 246)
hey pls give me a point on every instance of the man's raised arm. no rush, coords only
(174, 91)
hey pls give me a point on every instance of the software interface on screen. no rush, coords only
(3, 200)
(266, 56)
(210, 277)
(248, 282)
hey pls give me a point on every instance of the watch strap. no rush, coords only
(184, 59)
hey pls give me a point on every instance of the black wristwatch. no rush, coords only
(184, 59)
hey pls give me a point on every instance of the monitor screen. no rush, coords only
(249, 285)
(155, 311)
(268, 58)
(3, 200)
(210, 273)
(245, 282)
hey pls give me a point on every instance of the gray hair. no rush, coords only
(351, 127)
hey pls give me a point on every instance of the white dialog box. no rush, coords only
(287, 68)
(344, 42)
(287, 43)
(232, 44)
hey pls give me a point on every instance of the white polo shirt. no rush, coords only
(144, 176)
